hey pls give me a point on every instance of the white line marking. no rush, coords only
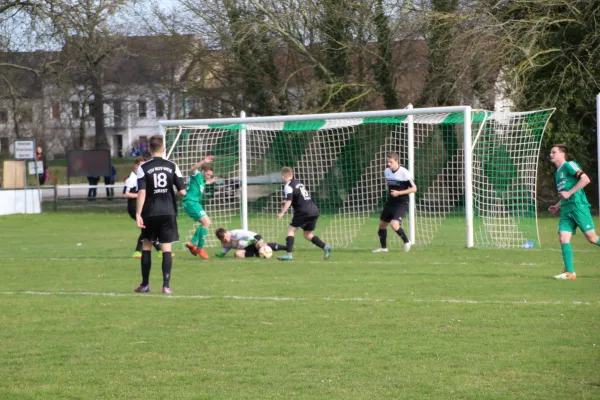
(524, 301)
(382, 262)
(201, 297)
(273, 298)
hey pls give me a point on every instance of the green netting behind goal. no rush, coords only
(341, 162)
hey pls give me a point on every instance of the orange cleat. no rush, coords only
(566, 275)
(193, 249)
(202, 253)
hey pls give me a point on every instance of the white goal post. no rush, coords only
(475, 171)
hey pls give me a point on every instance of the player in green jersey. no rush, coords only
(192, 204)
(573, 206)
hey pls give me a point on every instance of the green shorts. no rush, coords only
(581, 217)
(194, 210)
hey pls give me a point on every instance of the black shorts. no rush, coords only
(162, 228)
(305, 223)
(251, 250)
(394, 212)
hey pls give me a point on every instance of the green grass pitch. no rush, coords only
(440, 322)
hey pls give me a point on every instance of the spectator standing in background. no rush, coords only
(92, 181)
(110, 180)
(44, 175)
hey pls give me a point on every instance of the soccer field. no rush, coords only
(440, 322)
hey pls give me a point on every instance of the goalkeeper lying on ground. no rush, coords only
(247, 243)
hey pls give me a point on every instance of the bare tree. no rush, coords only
(89, 41)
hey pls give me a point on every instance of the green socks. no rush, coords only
(567, 253)
(199, 236)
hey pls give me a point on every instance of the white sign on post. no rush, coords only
(24, 149)
(32, 167)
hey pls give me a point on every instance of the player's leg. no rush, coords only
(396, 224)
(250, 251)
(567, 255)
(384, 220)
(289, 243)
(585, 222)
(167, 266)
(276, 246)
(195, 212)
(168, 234)
(240, 254)
(138, 248)
(146, 260)
(566, 229)
(583, 219)
(200, 234)
(157, 247)
(309, 229)
(592, 237)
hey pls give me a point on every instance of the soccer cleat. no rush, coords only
(167, 290)
(137, 254)
(407, 247)
(193, 249)
(287, 257)
(202, 253)
(251, 241)
(327, 251)
(566, 275)
(380, 250)
(159, 254)
(142, 289)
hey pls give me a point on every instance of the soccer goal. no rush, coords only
(475, 171)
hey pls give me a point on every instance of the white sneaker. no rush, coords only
(566, 275)
(380, 250)
(407, 247)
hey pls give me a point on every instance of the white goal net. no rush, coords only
(476, 181)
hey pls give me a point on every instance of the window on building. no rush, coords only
(3, 115)
(56, 110)
(118, 111)
(160, 108)
(75, 110)
(26, 114)
(142, 108)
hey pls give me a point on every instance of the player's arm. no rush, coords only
(257, 241)
(223, 251)
(285, 206)
(396, 193)
(127, 193)
(195, 167)
(287, 200)
(141, 198)
(412, 188)
(139, 206)
(583, 181)
(554, 208)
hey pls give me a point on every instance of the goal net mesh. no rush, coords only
(341, 163)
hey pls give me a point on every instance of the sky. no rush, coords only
(16, 33)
